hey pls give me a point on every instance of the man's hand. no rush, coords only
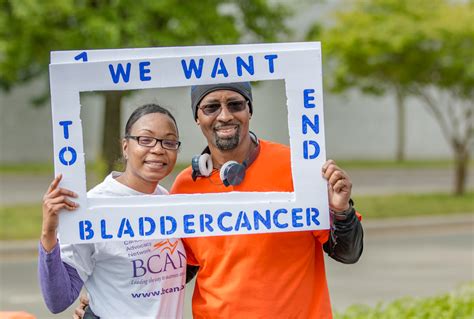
(339, 186)
(79, 311)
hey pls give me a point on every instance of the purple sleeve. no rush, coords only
(59, 282)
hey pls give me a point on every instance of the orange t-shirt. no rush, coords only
(274, 275)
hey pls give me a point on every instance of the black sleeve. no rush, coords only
(346, 240)
(191, 272)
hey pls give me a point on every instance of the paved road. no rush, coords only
(421, 258)
(418, 258)
(30, 189)
(389, 181)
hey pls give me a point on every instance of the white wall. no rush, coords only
(357, 127)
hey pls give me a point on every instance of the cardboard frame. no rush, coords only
(148, 217)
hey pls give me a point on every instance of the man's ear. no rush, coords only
(197, 122)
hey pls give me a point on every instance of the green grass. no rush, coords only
(42, 168)
(47, 168)
(27, 168)
(408, 164)
(24, 221)
(458, 304)
(401, 205)
(20, 222)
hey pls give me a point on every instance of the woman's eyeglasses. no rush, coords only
(149, 141)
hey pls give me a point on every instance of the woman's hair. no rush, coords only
(144, 110)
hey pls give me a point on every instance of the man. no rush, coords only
(275, 275)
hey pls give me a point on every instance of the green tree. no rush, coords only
(30, 29)
(421, 48)
(445, 83)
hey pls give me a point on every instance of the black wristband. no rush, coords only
(343, 215)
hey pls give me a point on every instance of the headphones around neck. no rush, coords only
(231, 172)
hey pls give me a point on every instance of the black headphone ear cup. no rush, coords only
(195, 165)
(202, 164)
(232, 173)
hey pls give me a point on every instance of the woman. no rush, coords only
(123, 279)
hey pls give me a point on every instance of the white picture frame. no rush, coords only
(133, 217)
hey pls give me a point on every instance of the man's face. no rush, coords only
(225, 127)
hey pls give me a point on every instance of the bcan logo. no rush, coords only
(166, 245)
(161, 261)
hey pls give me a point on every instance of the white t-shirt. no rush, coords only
(130, 279)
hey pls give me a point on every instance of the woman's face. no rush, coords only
(150, 164)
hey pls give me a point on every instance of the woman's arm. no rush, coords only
(59, 282)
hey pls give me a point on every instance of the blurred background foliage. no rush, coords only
(458, 304)
(420, 48)
(404, 48)
(413, 48)
(30, 29)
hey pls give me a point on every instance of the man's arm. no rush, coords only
(345, 242)
(191, 272)
(346, 239)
